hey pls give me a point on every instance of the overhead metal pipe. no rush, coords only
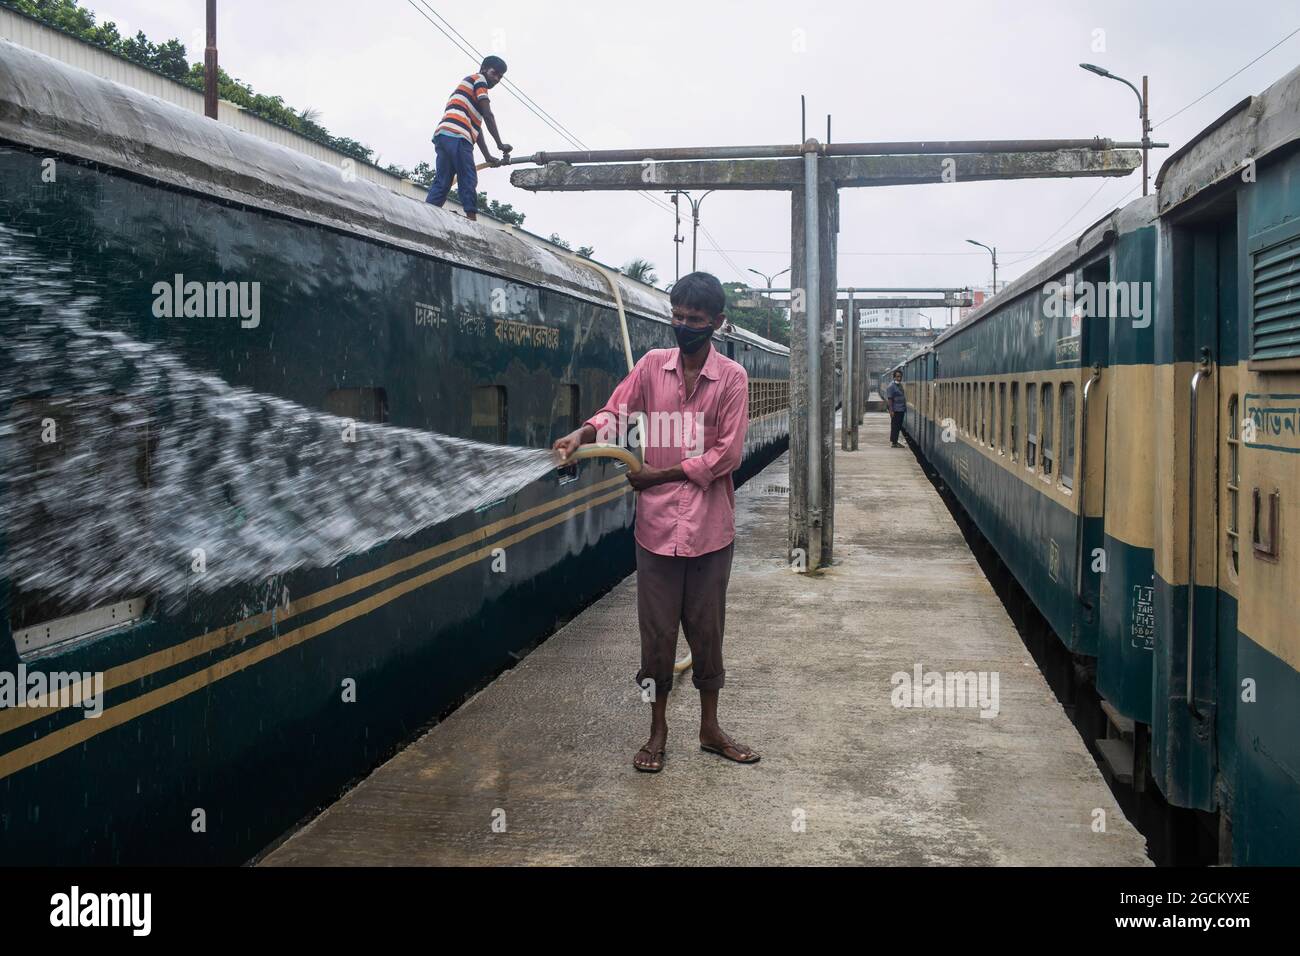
(923, 147)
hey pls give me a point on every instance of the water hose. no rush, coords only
(601, 450)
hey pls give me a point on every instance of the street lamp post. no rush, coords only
(769, 279)
(678, 238)
(994, 251)
(1143, 111)
(210, 63)
(695, 216)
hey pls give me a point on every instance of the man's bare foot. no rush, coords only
(715, 741)
(650, 758)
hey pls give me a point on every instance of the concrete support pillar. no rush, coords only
(863, 385)
(848, 381)
(811, 532)
(850, 416)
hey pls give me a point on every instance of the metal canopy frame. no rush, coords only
(813, 173)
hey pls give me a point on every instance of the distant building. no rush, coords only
(892, 319)
(977, 296)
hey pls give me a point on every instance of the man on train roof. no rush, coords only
(468, 109)
(686, 510)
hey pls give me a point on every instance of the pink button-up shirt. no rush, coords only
(703, 431)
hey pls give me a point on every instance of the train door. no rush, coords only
(1088, 405)
(1193, 745)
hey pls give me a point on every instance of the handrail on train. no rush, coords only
(1205, 371)
(1083, 478)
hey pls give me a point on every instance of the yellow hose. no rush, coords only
(625, 455)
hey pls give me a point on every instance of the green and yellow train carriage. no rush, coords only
(226, 710)
(1227, 476)
(1104, 448)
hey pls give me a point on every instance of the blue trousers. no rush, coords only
(454, 156)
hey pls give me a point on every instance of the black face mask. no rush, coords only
(691, 340)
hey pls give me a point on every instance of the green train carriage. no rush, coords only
(1226, 476)
(1185, 448)
(373, 307)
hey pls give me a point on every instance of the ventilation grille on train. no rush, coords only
(1275, 322)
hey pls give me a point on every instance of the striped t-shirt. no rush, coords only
(462, 117)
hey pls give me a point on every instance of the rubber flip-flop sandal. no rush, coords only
(721, 752)
(658, 755)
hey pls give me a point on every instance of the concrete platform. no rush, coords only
(846, 777)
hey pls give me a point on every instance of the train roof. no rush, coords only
(48, 104)
(1125, 219)
(1252, 129)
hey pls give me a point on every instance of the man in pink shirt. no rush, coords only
(696, 403)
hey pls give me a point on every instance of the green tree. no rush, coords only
(169, 59)
(586, 251)
(640, 270)
(503, 211)
(421, 176)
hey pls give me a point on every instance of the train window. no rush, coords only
(1045, 439)
(992, 415)
(991, 440)
(358, 404)
(568, 411)
(1233, 483)
(1067, 434)
(105, 438)
(488, 414)
(1031, 425)
(984, 413)
(1002, 418)
(1015, 420)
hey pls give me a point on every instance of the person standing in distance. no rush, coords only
(896, 402)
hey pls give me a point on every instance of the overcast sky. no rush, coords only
(706, 73)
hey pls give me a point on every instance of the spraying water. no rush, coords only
(125, 469)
